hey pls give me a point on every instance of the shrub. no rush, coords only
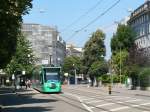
(145, 77)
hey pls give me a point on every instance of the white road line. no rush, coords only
(111, 96)
(106, 104)
(145, 103)
(85, 106)
(133, 100)
(7, 93)
(95, 101)
(119, 98)
(119, 102)
(87, 99)
(135, 105)
(120, 108)
(140, 104)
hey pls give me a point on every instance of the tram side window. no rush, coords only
(45, 75)
(41, 78)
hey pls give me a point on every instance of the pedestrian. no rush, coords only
(29, 83)
(26, 84)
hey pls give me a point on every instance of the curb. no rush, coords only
(142, 95)
(1, 107)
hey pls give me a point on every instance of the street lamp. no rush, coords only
(120, 65)
(29, 58)
(50, 59)
(50, 55)
(75, 74)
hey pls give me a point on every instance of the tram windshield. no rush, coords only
(52, 76)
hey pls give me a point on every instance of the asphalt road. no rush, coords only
(73, 99)
(97, 100)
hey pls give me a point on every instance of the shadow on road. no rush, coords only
(24, 102)
(28, 109)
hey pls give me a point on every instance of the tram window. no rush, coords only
(41, 78)
(45, 75)
(52, 76)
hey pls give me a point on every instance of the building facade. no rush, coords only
(140, 22)
(71, 50)
(48, 47)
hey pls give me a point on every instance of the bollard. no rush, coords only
(109, 89)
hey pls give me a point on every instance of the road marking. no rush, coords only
(112, 96)
(120, 108)
(106, 104)
(133, 100)
(145, 103)
(7, 94)
(140, 104)
(135, 105)
(88, 108)
(119, 98)
(119, 102)
(95, 101)
(85, 106)
(87, 99)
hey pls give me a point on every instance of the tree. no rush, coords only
(98, 69)
(11, 12)
(120, 61)
(121, 45)
(123, 39)
(93, 51)
(23, 60)
(70, 63)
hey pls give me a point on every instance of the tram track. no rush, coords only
(83, 93)
(71, 101)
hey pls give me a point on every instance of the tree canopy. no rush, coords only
(11, 12)
(121, 44)
(70, 63)
(94, 48)
(123, 39)
(23, 60)
(94, 52)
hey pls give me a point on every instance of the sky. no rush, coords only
(70, 16)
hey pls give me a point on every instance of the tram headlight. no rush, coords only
(58, 84)
(46, 84)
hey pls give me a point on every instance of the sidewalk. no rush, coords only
(125, 90)
(8, 97)
(120, 89)
(4, 91)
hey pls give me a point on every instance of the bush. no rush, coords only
(116, 78)
(145, 77)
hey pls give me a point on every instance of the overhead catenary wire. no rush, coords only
(82, 16)
(109, 26)
(94, 20)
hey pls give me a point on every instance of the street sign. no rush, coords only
(23, 72)
(66, 74)
(45, 62)
(13, 77)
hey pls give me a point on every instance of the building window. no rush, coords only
(149, 28)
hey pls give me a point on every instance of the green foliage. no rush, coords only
(119, 61)
(94, 50)
(71, 63)
(124, 38)
(98, 68)
(133, 70)
(121, 44)
(115, 78)
(145, 77)
(23, 58)
(11, 12)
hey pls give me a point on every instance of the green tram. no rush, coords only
(46, 79)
